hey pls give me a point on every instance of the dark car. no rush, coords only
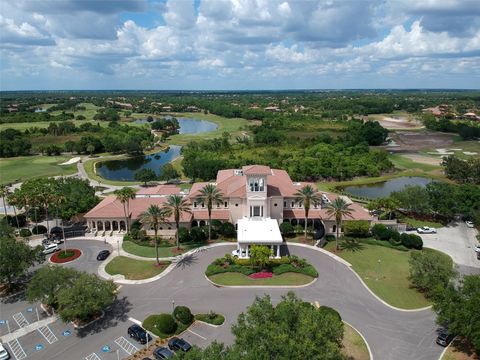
(178, 344)
(102, 255)
(138, 333)
(161, 353)
(444, 337)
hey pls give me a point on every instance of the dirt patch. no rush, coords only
(394, 122)
(418, 140)
(423, 159)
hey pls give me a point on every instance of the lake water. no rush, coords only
(125, 169)
(384, 189)
(189, 125)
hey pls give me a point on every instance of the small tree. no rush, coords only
(86, 298)
(430, 271)
(168, 172)
(358, 228)
(286, 229)
(145, 176)
(260, 255)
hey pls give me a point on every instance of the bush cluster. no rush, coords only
(410, 241)
(39, 229)
(25, 233)
(166, 323)
(183, 314)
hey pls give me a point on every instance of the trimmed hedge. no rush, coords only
(284, 268)
(25, 233)
(183, 314)
(326, 310)
(39, 229)
(217, 269)
(211, 318)
(387, 244)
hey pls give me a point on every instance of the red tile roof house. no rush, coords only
(256, 199)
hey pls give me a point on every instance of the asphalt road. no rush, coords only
(391, 334)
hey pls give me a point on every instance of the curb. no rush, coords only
(361, 335)
(65, 263)
(349, 266)
(208, 324)
(261, 286)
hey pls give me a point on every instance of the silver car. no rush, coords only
(426, 230)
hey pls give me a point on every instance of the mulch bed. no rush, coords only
(57, 260)
(261, 275)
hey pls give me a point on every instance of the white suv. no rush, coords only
(50, 248)
(426, 230)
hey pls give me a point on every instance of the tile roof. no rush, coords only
(216, 214)
(256, 170)
(166, 189)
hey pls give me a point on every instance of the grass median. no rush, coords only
(134, 269)
(237, 279)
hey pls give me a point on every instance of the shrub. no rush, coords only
(136, 225)
(183, 314)
(286, 229)
(166, 324)
(356, 228)
(298, 229)
(411, 241)
(216, 224)
(39, 229)
(198, 234)
(284, 268)
(381, 232)
(330, 237)
(138, 236)
(211, 318)
(394, 235)
(430, 270)
(184, 235)
(227, 229)
(25, 233)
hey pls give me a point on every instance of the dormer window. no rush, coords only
(226, 204)
(203, 205)
(293, 204)
(194, 204)
(256, 184)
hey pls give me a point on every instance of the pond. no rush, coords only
(384, 189)
(125, 169)
(189, 125)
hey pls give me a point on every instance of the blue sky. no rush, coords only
(239, 44)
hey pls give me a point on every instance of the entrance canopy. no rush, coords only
(263, 231)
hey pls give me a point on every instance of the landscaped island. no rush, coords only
(260, 270)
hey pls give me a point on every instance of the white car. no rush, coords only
(235, 253)
(426, 230)
(469, 223)
(477, 248)
(4, 355)
(50, 248)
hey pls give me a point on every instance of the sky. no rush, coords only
(239, 44)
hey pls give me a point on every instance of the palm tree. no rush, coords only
(15, 200)
(339, 208)
(4, 193)
(124, 195)
(209, 195)
(176, 205)
(154, 216)
(307, 196)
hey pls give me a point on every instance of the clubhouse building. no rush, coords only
(256, 199)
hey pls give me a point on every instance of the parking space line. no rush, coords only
(194, 333)
(20, 320)
(126, 345)
(92, 356)
(47, 334)
(17, 349)
(135, 321)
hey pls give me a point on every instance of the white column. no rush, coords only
(246, 254)
(278, 251)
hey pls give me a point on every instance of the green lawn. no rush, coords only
(216, 320)
(419, 223)
(387, 279)
(18, 169)
(236, 279)
(354, 348)
(404, 163)
(134, 269)
(149, 251)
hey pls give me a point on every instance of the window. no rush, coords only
(256, 210)
(293, 204)
(203, 205)
(226, 204)
(194, 204)
(218, 205)
(275, 204)
(236, 204)
(284, 204)
(256, 184)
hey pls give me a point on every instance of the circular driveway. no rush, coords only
(391, 334)
(88, 260)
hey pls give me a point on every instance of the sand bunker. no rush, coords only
(71, 161)
(422, 159)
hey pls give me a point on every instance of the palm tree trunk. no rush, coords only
(209, 225)
(64, 238)
(177, 223)
(156, 246)
(16, 217)
(127, 216)
(4, 206)
(336, 239)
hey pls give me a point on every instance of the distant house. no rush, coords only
(120, 104)
(167, 108)
(272, 108)
(193, 109)
(470, 116)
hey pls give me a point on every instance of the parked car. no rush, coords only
(444, 337)
(138, 333)
(477, 248)
(50, 248)
(161, 353)
(478, 255)
(410, 228)
(102, 255)
(176, 343)
(58, 239)
(469, 223)
(426, 230)
(4, 355)
(236, 253)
